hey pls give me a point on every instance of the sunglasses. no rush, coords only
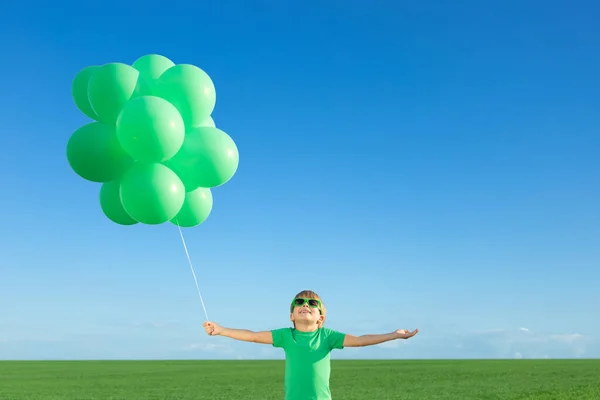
(299, 302)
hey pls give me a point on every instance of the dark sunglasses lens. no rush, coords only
(313, 303)
(298, 302)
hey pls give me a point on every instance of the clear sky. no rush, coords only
(425, 164)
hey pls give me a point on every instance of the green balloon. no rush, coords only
(208, 158)
(196, 208)
(150, 129)
(190, 89)
(79, 91)
(94, 153)
(151, 193)
(207, 122)
(184, 165)
(111, 87)
(151, 67)
(110, 202)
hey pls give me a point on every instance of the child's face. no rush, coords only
(307, 313)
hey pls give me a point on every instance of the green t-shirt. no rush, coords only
(307, 362)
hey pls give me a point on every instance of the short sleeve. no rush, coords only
(279, 337)
(335, 338)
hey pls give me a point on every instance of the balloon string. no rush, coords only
(192, 268)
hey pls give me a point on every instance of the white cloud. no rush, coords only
(567, 338)
(526, 335)
(527, 343)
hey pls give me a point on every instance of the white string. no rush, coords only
(192, 268)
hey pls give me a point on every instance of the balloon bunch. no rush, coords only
(153, 143)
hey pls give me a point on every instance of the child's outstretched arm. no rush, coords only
(264, 337)
(369, 340)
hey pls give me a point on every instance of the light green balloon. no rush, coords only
(196, 208)
(151, 67)
(191, 90)
(110, 202)
(150, 129)
(208, 158)
(79, 91)
(184, 165)
(111, 86)
(95, 154)
(207, 122)
(151, 193)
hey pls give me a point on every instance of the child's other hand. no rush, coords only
(212, 329)
(406, 334)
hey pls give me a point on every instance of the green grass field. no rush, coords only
(263, 380)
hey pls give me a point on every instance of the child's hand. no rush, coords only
(212, 329)
(406, 334)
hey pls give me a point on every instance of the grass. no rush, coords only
(263, 380)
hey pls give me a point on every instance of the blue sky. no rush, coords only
(418, 164)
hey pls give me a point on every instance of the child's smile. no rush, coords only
(306, 313)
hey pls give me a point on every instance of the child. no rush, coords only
(307, 346)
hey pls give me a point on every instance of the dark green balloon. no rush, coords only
(151, 193)
(110, 202)
(196, 208)
(95, 154)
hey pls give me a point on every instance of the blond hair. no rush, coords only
(309, 294)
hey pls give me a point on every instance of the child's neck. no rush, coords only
(306, 328)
